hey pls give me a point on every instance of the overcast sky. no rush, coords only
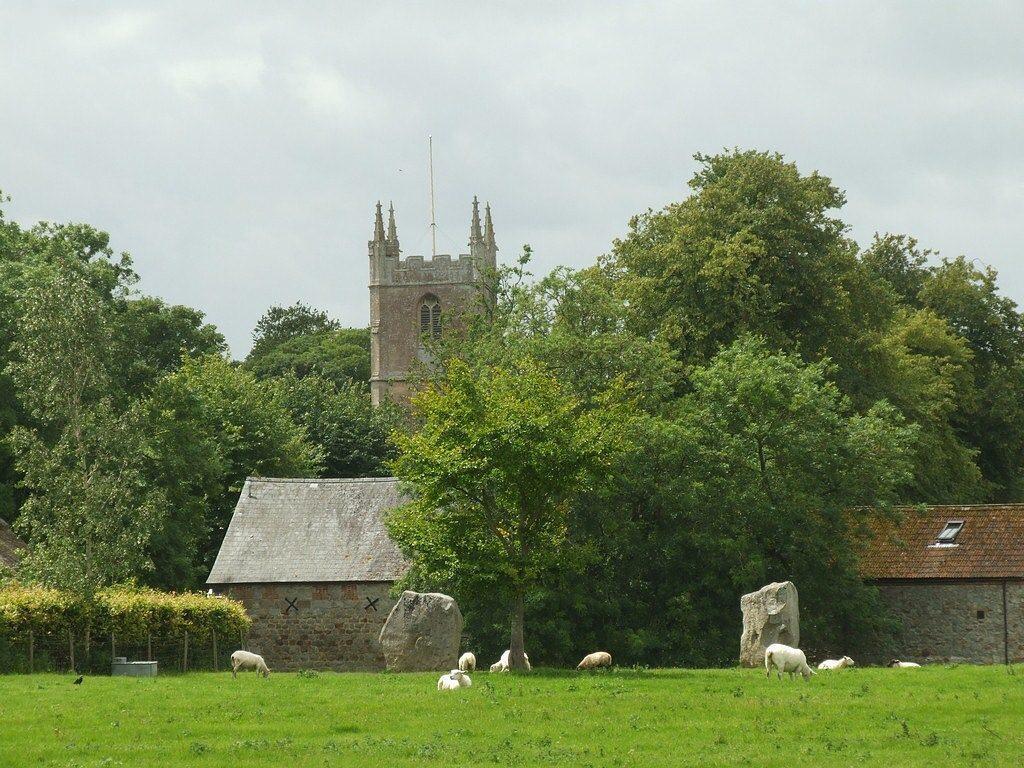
(236, 149)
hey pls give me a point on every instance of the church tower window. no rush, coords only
(430, 317)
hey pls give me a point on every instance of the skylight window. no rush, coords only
(948, 534)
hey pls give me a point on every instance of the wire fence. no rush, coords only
(92, 654)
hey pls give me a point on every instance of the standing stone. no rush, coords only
(770, 615)
(422, 633)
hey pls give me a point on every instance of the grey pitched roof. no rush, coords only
(9, 545)
(295, 530)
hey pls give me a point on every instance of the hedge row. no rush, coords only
(129, 614)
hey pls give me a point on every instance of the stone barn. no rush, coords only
(954, 576)
(313, 564)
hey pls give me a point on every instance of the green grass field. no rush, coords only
(930, 717)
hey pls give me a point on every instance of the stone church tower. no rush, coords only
(413, 298)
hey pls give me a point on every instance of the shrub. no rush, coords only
(130, 614)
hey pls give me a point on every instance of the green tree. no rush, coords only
(151, 338)
(22, 252)
(898, 261)
(500, 456)
(968, 298)
(279, 324)
(354, 436)
(754, 249)
(214, 424)
(90, 512)
(778, 478)
(341, 355)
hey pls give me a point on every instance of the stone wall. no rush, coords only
(958, 620)
(316, 626)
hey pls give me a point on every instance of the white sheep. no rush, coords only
(244, 661)
(846, 661)
(786, 659)
(595, 660)
(903, 664)
(502, 665)
(453, 680)
(467, 662)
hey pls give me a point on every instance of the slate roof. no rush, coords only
(990, 544)
(310, 530)
(9, 545)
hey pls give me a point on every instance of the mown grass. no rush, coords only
(876, 717)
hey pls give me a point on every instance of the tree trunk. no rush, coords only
(516, 656)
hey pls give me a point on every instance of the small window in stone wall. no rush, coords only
(981, 615)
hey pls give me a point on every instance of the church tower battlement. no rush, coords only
(411, 297)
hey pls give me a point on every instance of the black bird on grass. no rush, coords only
(78, 680)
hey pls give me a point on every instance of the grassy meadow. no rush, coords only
(874, 717)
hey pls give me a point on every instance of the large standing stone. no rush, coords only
(422, 633)
(770, 615)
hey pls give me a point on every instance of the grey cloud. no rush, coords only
(236, 149)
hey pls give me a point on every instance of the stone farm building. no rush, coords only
(313, 564)
(954, 576)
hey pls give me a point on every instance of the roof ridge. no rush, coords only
(937, 507)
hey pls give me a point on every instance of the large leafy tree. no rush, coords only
(755, 249)
(151, 338)
(763, 472)
(501, 454)
(354, 436)
(341, 356)
(90, 512)
(301, 340)
(214, 424)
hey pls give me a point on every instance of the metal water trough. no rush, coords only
(121, 667)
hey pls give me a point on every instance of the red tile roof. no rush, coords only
(990, 545)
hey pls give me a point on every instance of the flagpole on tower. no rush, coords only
(433, 223)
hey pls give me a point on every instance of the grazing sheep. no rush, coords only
(786, 659)
(453, 681)
(846, 661)
(467, 662)
(903, 664)
(244, 661)
(502, 664)
(595, 660)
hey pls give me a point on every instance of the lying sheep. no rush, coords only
(502, 664)
(244, 661)
(467, 662)
(595, 660)
(903, 664)
(786, 659)
(453, 681)
(846, 661)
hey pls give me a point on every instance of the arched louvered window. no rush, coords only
(430, 317)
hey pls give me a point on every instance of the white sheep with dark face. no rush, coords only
(454, 680)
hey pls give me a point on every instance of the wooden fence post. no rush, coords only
(184, 658)
(113, 652)
(215, 651)
(71, 646)
(31, 652)
(149, 646)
